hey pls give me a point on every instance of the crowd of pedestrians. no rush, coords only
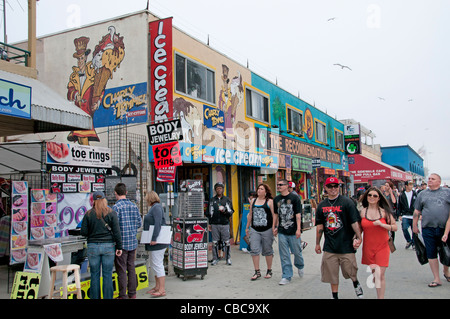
(345, 226)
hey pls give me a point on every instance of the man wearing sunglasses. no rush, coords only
(287, 207)
(338, 219)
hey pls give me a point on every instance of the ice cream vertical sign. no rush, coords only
(161, 67)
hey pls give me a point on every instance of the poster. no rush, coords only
(19, 223)
(26, 285)
(34, 262)
(43, 216)
(71, 210)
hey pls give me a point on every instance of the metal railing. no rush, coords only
(14, 54)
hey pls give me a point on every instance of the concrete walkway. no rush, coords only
(406, 279)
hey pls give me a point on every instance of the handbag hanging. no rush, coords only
(420, 249)
(444, 254)
(391, 243)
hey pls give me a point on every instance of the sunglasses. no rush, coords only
(333, 186)
(373, 195)
(281, 184)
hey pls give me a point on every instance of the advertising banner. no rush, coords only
(166, 155)
(123, 105)
(161, 70)
(15, 99)
(78, 155)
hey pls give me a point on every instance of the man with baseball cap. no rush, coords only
(220, 211)
(338, 218)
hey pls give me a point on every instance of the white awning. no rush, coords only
(50, 112)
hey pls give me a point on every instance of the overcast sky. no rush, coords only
(398, 52)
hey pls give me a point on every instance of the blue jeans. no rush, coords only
(407, 223)
(101, 258)
(286, 245)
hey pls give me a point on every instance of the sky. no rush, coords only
(398, 52)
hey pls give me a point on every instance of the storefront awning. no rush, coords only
(50, 112)
(21, 157)
(365, 169)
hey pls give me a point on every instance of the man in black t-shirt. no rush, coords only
(338, 218)
(287, 207)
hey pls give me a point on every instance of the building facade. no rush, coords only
(238, 128)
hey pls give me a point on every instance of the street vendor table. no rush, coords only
(69, 245)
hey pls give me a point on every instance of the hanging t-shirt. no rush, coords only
(287, 207)
(262, 219)
(337, 217)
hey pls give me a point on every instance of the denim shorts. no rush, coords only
(432, 238)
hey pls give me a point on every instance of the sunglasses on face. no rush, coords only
(281, 185)
(333, 186)
(373, 195)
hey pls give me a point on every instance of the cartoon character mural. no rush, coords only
(88, 80)
(230, 98)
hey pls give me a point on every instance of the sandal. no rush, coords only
(434, 284)
(151, 291)
(256, 275)
(268, 274)
(158, 294)
(447, 278)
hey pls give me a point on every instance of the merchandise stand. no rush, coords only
(190, 232)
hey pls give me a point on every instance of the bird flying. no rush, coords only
(342, 66)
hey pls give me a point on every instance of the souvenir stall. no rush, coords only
(42, 215)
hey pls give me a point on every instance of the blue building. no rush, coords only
(404, 158)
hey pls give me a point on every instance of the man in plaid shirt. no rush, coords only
(129, 221)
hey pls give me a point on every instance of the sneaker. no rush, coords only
(408, 245)
(304, 244)
(284, 281)
(359, 291)
(301, 273)
(214, 262)
(229, 261)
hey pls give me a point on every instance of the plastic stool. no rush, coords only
(65, 269)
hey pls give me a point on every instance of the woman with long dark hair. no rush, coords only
(101, 227)
(377, 221)
(260, 229)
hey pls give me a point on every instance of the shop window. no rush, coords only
(194, 79)
(257, 105)
(321, 132)
(295, 120)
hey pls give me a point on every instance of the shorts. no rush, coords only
(261, 242)
(432, 238)
(331, 263)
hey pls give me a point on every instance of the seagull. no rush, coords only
(410, 100)
(331, 19)
(342, 66)
(382, 98)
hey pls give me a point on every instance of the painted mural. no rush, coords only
(88, 80)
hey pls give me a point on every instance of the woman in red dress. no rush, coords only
(376, 223)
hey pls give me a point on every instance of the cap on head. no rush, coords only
(292, 184)
(98, 195)
(218, 185)
(331, 180)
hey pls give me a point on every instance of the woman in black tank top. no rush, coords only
(260, 229)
